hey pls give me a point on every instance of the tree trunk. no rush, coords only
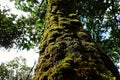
(66, 51)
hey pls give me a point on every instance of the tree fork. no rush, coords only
(66, 51)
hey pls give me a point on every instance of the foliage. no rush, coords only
(34, 24)
(30, 28)
(4, 73)
(9, 30)
(101, 19)
(15, 69)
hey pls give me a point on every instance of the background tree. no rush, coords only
(4, 73)
(15, 69)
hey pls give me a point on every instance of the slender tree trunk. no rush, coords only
(66, 51)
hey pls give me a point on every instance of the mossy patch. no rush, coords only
(63, 71)
(73, 16)
(89, 46)
(83, 36)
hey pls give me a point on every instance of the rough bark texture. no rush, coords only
(66, 51)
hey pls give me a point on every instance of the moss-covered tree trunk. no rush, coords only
(66, 51)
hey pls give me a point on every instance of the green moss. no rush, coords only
(65, 37)
(63, 70)
(54, 8)
(83, 36)
(59, 13)
(75, 21)
(42, 46)
(90, 70)
(57, 28)
(64, 21)
(108, 77)
(53, 49)
(73, 16)
(89, 46)
(74, 46)
(53, 19)
(56, 51)
(45, 66)
(44, 76)
(52, 36)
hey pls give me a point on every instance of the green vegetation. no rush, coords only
(15, 69)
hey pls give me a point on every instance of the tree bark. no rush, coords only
(67, 52)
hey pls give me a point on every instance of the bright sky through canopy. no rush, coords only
(11, 6)
(31, 56)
